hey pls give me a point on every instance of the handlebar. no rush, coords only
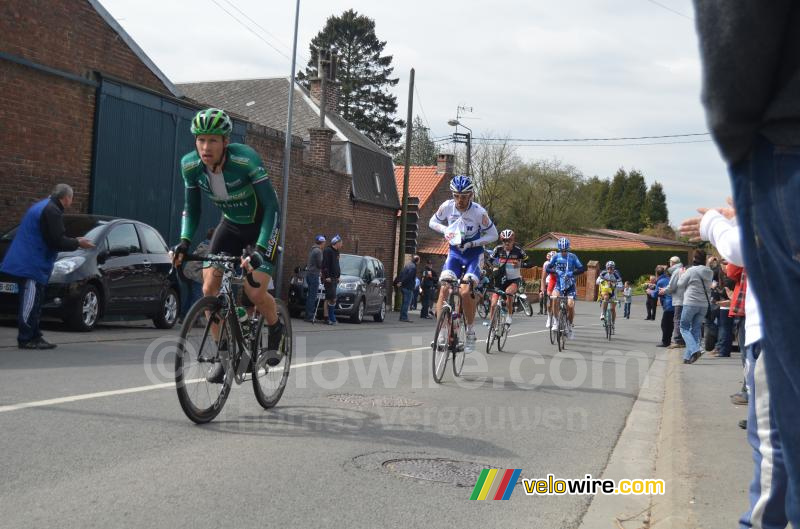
(221, 258)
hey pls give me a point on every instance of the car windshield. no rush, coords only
(350, 265)
(83, 226)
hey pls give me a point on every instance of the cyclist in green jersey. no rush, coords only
(233, 177)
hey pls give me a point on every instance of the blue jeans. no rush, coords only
(691, 324)
(31, 295)
(312, 282)
(765, 189)
(627, 308)
(768, 487)
(407, 295)
(724, 333)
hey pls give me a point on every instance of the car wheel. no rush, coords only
(381, 315)
(85, 313)
(358, 313)
(168, 312)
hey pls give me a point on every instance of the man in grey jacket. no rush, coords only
(675, 271)
(312, 276)
(696, 281)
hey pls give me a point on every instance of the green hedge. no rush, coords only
(631, 263)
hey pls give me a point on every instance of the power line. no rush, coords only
(419, 100)
(248, 28)
(265, 30)
(595, 139)
(670, 9)
(550, 145)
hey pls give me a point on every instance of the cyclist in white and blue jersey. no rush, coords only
(566, 266)
(467, 227)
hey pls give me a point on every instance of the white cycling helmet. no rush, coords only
(506, 234)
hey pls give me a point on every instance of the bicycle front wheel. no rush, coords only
(563, 322)
(441, 343)
(199, 356)
(458, 351)
(493, 330)
(501, 340)
(269, 382)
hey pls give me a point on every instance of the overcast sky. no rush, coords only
(541, 69)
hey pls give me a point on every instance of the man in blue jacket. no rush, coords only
(406, 281)
(668, 311)
(31, 257)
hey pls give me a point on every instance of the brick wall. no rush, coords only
(320, 203)
(48, 119)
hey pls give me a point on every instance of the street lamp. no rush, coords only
(459, 137)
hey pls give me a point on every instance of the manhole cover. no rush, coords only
(458, 473)
(373, 401)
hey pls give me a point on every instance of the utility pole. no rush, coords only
(401, 249)
(287, 158)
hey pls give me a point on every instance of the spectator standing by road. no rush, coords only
(313, 270)
(330, 275)
(31, 257)
(406, 281)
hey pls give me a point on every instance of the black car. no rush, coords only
(362, 289)
(126, 274)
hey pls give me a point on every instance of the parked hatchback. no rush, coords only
(362, 289)
(126, 274)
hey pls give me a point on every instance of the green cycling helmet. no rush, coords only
(212, 121)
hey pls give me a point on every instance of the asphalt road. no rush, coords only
(360, 415)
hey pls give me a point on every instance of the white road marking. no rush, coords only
(166, 385)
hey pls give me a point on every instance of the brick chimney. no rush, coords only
(445, 164)
(327, 66)
(319, 149)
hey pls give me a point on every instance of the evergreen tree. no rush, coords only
(365, 76)
(613, 214)
(655, 207)
(632, 203)
(423, 150)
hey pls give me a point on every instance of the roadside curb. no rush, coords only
(634, 456)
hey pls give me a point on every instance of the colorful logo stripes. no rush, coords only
(495, 484)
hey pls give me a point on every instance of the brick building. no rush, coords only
(53, 55)
(83, 104)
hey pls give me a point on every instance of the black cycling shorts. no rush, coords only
(232, 239)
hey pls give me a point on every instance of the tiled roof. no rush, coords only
(422, 181)
(265, 101)
(648, 239)
(589, 242)
(433, 245)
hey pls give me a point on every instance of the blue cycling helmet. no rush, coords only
(563, 244)
(611, 264)
(461, 184)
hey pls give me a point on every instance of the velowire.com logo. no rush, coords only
(495, 484)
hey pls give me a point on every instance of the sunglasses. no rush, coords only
(461, 195)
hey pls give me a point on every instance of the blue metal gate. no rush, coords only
(140, 138)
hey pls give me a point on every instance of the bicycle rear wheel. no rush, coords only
(198, 355)
(483, 307)
(553, 334)
(526, 306)
(270, 382)
(441, 343)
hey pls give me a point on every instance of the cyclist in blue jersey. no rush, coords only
(566, 266)
(466, 226)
